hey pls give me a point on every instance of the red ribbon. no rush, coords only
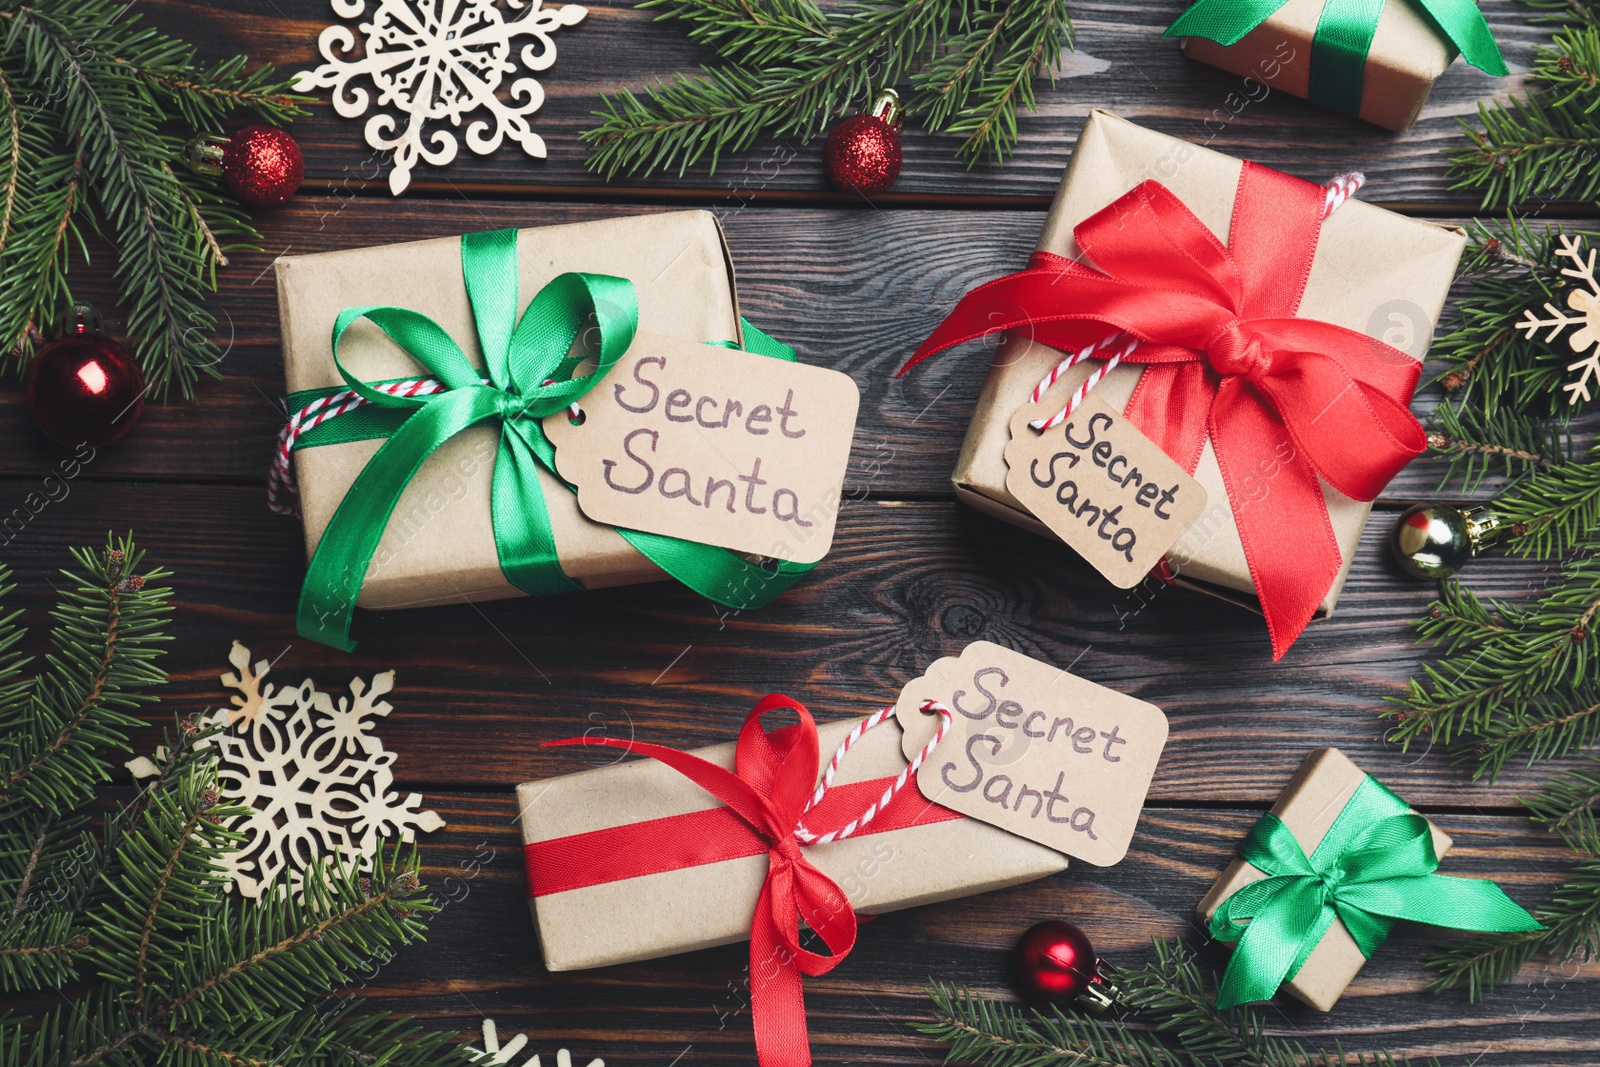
(764, 796)
(1283, 399)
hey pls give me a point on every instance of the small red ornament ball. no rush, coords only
(1054, 962)
(84, 388)
(262, 166)
(863, 155)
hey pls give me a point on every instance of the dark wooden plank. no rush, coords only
(853, 290)
(1122, 64)
(482, 959)
(481, 686)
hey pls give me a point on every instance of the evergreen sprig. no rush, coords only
(127, 912)
(790, 67)
(95, 107)
(1167, 1018)
(1495, 376)
(1545, 144)
(1569, 805)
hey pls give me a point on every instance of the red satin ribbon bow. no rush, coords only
(1282, 399)
(774, 777)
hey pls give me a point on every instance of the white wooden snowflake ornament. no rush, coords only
(494, 1054)
(317, 781)
(1586, 302)
(439, 61)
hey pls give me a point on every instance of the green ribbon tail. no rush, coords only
(1223, 21)
(1464, 25)
(1440, 900)
(340, 563)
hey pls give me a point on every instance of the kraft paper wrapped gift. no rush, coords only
(673, 911)
(439, 545)
(1407, 53)
(1374, 271)
(1308, 806)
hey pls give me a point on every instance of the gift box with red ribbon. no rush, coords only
(689, 850)
(1270, 336)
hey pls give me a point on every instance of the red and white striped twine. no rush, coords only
(281, 490)
(1336, 192)
(806, 837)
(282, 493)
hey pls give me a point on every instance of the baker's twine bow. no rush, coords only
(1283, 400)
(1343, 38)
(1375, 865)
(530, 372)
(771, 790)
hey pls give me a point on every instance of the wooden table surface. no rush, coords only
(913, 576)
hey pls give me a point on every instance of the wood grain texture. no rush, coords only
(853, 290)
(1122, 64)
(482, 958)
(480, 687)
(913, 576)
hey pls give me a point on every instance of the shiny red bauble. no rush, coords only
(1054, 962)
(863, 153)
(84, 388)
(262, 166)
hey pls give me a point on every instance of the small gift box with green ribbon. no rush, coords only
(1323, 877)
(418, 377)
(1376, 59)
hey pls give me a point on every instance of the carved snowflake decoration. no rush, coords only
(493, 1054)
(1586, 302)
(440, 61)
(317, 780)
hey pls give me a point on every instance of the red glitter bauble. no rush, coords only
(85, 388)
(1055, 962)
(863, 155)
(262, 166)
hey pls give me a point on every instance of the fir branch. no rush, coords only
(1569, 805)
(106, 638)
(1169, 1019)
(1506, 444)
(758, 33)
(1542, 145)
(1558, 508)
(994, 1034)
(90, 95)
(1494, 375)
(789, 69)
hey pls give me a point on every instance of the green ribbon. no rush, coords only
(528, 374)
(1375, 865)
(1343, 38)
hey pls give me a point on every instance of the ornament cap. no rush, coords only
(887, 108)
(203, 154)
(1100, 995)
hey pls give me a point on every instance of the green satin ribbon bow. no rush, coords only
(1343, 38)
(528, 374)
(1374, 866)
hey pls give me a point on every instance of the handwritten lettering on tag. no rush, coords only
(1102, 487)
(1036, 751)
(712, 445)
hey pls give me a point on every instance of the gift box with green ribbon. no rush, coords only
(1376, 59)
(419, 374)
(1323, 877)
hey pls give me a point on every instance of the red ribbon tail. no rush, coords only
(1280, 511)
